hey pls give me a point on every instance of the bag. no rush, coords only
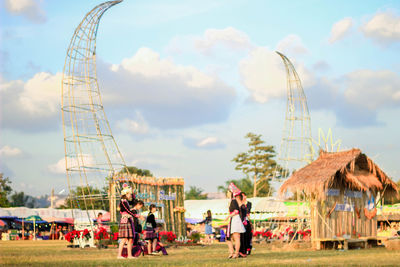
(149, 227)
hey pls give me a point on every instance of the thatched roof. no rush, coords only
(349, 169)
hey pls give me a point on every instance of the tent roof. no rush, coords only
(23, 212)
(266, 207)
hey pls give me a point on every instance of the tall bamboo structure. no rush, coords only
(91, 153)
(296, 142)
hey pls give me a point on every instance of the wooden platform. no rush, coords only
(345, 243)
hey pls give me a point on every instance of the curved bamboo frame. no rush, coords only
(296, 139)
(91, 153)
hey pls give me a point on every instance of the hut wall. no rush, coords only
(349, 224)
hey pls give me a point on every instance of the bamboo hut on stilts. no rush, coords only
(343, 189)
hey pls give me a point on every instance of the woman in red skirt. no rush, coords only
(126, 226)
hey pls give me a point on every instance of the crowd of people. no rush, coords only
(130, 244)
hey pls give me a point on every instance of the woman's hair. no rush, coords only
(208, 213)
(139, 202)
(152, 206)
(124, 197)
(243, 194)
(229, 194)
(240, 196)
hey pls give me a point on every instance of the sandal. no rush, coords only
(230, 256)
(241, 255)
(235, 256)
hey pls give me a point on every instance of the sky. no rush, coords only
(182, 82)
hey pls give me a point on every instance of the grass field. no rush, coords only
(56, 253)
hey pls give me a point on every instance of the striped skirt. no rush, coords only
(126, 229)
(150, 234)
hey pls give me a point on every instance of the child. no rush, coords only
(99, 220)
(150, 230)
(160, 246)
(208, 227)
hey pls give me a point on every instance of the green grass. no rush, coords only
(56, 253)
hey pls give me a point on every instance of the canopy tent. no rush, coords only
(31, 221)
(22, 212)
(4, 213)
(59, 220)
(263, 208)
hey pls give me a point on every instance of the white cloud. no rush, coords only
(210, 142)
(168, 95)
(291, 45)
(30, 9)
(340, 29)
(263, 74)
(84, 160)
(138, 125)
(383, 27)
(58, 167)
(41, 94)
(34, 104)
(8, 151)
(373, 89)
(229, 37)
(396, 96)
(146, 62)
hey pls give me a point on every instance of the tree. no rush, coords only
(195, 193)
(86, 197)
(135, 170)
(5, 190)
(258, 162)
(19, 199)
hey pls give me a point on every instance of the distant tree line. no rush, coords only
(11, 198)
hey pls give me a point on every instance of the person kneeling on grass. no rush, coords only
(160, 247)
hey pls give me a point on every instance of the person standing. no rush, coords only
(235, 226)
(246, 237)
(208, 230)
(150, 231)
(99, 220)
(126, 227)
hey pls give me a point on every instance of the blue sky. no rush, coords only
(184, 81)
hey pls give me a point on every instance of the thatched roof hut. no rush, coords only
(349, 169)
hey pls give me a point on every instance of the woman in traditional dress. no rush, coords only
(150, 233)
(126, 227)
(235, 226)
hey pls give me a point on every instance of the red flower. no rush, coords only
(115, 237)
(101, 234)
(170, 235)
(68, 237)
